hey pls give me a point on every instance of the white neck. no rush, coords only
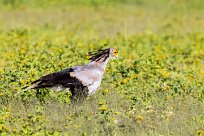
(101, 65)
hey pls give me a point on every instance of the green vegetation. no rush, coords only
(156, 87)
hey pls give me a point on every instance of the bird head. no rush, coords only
(103, 55)
(113, 53)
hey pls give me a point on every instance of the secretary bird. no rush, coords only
(81, 80)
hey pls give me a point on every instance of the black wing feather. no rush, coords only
(63, 78)
(58, 78)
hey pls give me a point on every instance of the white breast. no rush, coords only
(91, 79)
(95, 85)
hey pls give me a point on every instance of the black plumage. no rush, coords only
(96, 56)
(64, 79)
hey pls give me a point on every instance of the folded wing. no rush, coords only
(64, 78)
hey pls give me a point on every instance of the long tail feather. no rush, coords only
(30, 87)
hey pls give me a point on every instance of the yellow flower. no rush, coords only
(22, 81)
(138, 122)
(100, 103)
(103, 108)
(167, 87)
(134, 76)
(165, 73)
(139, 117)
(15, 130)
(125, 80)
(106, 91)
(87, 57)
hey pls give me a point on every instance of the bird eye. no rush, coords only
(115, 51)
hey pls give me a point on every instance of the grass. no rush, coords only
(156, 87)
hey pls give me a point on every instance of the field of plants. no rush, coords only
(156, 87)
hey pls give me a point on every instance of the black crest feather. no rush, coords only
(101, 54)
